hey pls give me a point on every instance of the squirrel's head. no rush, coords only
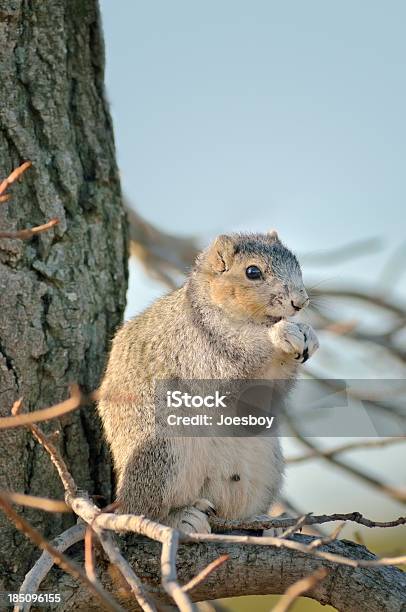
(253, 276)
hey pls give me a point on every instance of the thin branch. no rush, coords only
(112, 551)
(63, 562)
(301, 521)
(293, 545)
(342, 253)
(327, 539)
(340, 328)
(12, 178)
(101, 521)
(56, 458)
(31, 501)
(142, 525)
(285, 523)
(74, 402)
(155, 531)
(259, 570)
(201, 576)
(90, 512)
(393, 269)
(163, 255)
(364, 296)
(43, 566)
(168, 569)
(343, 448)
(372, 400)
(298, 588)
(392, 492)
(26, 234)
(139, 524)
(89, 555)
(285, 505)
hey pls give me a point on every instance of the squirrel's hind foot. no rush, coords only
(193, 519)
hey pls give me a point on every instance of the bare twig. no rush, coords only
(298, 588)
(298, 525)
(285, 523)
(89, 555)
(343, 253)
(56, 457)
(293, 545)
(44, 414)
(327, 539)
(31, 501)
(103, 522)
(168, 568)
(155, 531)
(341, 328)
(201, 576)
(64, 563)
(343, 448)
(59, 463)
(364, 296)
(14, 176)
(141, 525)
(42, 567)
(26, 234)
(111, 549)
(292, 510)
(393, 492)
(163, 255)
(89, 513)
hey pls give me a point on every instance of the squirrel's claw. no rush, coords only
(204, 505)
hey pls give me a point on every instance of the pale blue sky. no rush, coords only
(256, 114)
(249, 115)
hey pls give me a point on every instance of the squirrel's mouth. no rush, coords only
(272, 320)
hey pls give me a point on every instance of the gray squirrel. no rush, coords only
(230, 320)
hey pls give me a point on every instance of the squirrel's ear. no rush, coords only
(273, 235)
(221, 253)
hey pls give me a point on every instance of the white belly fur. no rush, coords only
(207, 465)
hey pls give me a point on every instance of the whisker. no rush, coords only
(323, 281)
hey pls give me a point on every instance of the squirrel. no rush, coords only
(230, 320)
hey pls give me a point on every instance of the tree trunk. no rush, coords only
(250, 570)
(62, 294)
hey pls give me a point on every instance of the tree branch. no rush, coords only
(344, 448)
(12, 178)
(45, 414)
(43, 566)
(26, 234)
(260, 570)
(308, 519)
(354, 561)
(64, 563)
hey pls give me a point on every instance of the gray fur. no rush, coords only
(194, 333)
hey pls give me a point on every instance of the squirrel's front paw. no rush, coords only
(194, 519)
(297, 340)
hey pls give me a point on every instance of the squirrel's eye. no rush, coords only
(253, 273)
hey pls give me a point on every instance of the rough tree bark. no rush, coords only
(251, 570)
(62, 294)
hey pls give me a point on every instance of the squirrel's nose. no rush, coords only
(300, 300)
